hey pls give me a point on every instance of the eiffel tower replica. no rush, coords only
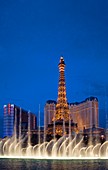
(62, 123)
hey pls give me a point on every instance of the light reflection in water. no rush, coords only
(34, 164)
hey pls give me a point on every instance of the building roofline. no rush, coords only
(91, 98)
(51, 101)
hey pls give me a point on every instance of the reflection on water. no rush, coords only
(32, 164)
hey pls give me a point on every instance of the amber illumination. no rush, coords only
(61, 123)
(62, 108)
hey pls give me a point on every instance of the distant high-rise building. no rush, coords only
(17, 120)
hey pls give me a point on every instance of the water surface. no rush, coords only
(34, 164)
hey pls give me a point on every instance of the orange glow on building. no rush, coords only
(85, 113)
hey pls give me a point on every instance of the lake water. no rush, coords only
(34, 164)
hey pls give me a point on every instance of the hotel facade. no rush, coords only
(84, 113)
(17, 121)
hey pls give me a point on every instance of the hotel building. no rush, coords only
(17, 120)
(85, 113)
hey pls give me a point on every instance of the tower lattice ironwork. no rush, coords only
(62, 107)
(62, 124)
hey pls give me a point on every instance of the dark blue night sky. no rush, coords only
(33, 36)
